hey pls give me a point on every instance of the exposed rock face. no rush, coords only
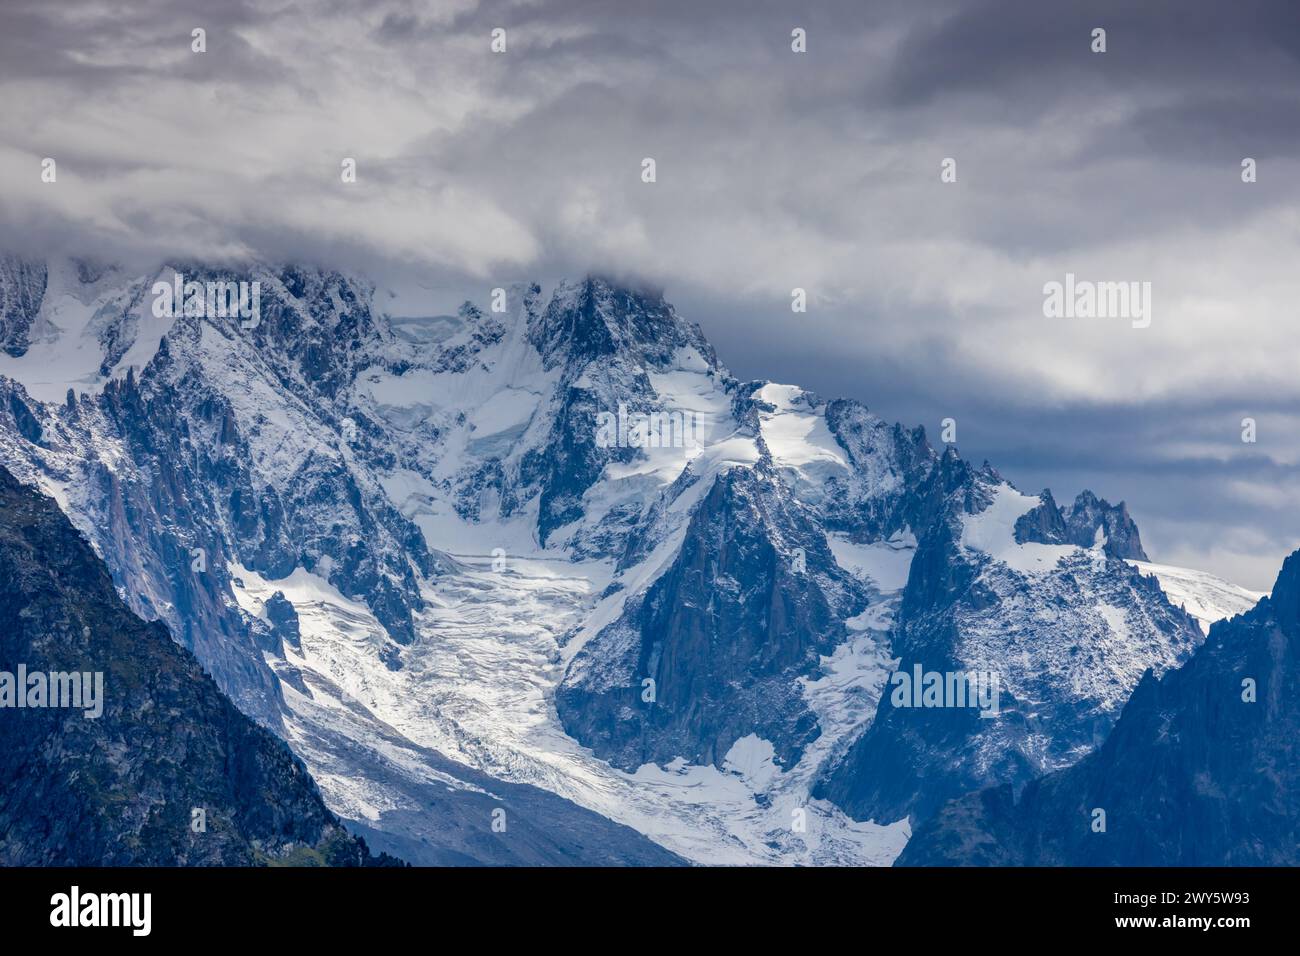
(120, 789)
(22, 289)
(284, 619)
(1088, 515)
(886, 489)
(1085, 523)
(24, 421)
(723, 635)
(1202, 768)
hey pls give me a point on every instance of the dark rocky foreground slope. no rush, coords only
(1202, 768)
(122, 788)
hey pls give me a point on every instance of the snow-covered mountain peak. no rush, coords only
(594, 319)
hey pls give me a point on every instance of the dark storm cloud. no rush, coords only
(776, 170)
(994, 47)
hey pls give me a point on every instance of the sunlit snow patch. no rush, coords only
(993, 531)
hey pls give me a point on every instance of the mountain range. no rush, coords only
(414, 548)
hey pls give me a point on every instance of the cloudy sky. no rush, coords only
(775, 170)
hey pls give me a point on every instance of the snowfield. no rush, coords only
(1204, 596)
